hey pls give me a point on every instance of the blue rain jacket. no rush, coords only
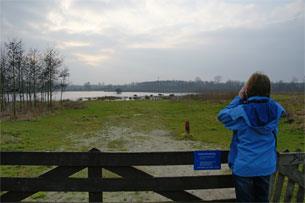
(255, 126)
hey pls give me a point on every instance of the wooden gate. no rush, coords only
(287, 184)
(133, 179)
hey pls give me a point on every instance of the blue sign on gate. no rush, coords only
(207, 160)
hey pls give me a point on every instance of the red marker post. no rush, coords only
(187, 127)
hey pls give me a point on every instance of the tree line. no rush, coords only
(28, 78)
(196, 86)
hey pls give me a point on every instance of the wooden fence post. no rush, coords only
(300, 194)
(271, 186)
(278, 187)
(290, 185)
(93, 174)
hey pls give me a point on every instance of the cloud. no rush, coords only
(73, 21)
(168, 38)
(288, 12)
(72, 44)
(163, 23)
(167, 23)
(94, 59)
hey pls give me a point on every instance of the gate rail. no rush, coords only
(133, 179)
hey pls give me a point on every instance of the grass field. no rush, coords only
(51, 132)
(57, 131)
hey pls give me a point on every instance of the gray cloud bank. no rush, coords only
(137, 40)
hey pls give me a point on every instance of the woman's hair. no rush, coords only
(258, 85)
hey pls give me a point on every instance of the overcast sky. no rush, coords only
(122, 41)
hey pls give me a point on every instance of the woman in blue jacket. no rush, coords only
(254, 118)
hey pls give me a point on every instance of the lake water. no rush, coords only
(75, 95)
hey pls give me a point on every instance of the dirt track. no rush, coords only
(117, 138)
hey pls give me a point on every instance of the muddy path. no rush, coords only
(117, 138)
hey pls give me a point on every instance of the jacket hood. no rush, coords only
(262, 113)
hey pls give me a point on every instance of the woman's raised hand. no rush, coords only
(243, 92)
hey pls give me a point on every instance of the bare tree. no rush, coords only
(3, 76)
(63, 77)
(42, 82)
(217, 78)
(198, 79)
(14, 56)
(27, 79)
(34, 70)
(24, 75)
(20, 74)
(52, 61)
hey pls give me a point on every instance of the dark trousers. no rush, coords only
(252, 189)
